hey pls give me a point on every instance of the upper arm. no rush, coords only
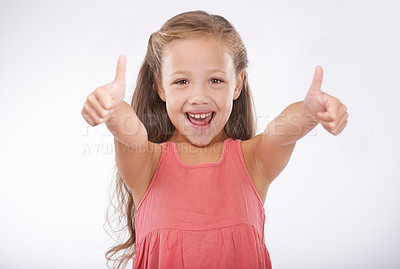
(135, 165)
(271, 158)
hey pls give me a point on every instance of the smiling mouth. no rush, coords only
(199, 121)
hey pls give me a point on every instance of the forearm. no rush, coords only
(292, 124)
(126, 127)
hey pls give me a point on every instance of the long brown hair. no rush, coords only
(151, 110)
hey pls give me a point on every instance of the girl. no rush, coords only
(192, 176)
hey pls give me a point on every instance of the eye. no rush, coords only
(182, 81)
(215, 81)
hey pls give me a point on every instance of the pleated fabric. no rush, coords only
(206, 215)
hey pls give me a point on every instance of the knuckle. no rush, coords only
(91, 98)
(98, 91)
(102, 90)
(85, 115)
(335, 132)
(96, 118)
(88, 119)
(99, 120)
(107, 105)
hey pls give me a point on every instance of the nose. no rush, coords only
(198, 96)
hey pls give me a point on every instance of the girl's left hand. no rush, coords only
(323, 108)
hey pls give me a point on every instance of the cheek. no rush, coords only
(228, 110)
(175, 103)
(225, 102)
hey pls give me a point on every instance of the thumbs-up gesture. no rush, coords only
(324, 108)
(105, 100)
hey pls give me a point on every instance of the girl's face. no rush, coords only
(198, 81)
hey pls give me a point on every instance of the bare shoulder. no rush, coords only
(248, 149)
(137, 165)
(267, 158)
(156, 150)
(259, 180)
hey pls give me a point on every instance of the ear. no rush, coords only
(239, 85)
(158, 84)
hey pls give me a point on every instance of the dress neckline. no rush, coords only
(181, 162)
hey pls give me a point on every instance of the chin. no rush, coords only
(200, 141)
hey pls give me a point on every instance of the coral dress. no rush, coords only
(206, 215)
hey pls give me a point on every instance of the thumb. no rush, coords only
(121, 69)
(119, 84)
(317, 80)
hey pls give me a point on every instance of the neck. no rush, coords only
(183, 140)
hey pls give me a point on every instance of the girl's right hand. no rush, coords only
(105, 100)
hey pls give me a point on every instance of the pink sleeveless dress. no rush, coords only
(206, 215)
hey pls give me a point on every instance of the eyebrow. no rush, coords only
(209, 71)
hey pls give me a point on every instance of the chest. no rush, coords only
(190, 158)
(204, 197)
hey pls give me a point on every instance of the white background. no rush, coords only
(336, 205)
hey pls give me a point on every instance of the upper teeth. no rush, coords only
(197, 116)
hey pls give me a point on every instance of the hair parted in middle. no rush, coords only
(147, 104)
(152, 112)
